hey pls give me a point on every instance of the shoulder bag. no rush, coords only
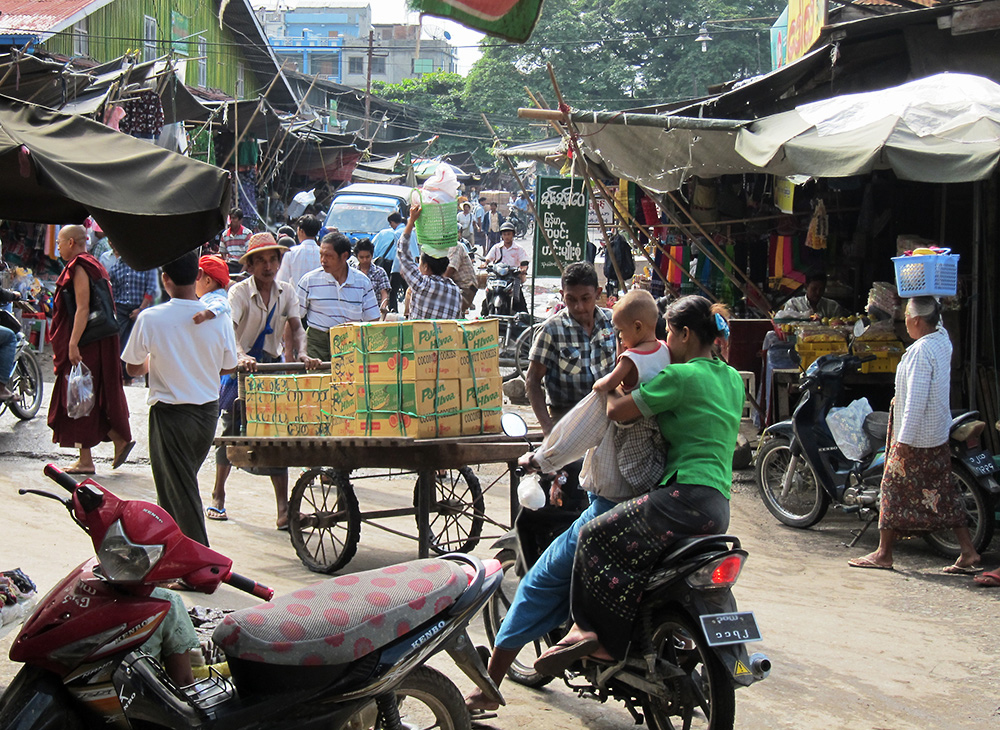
(101, 322)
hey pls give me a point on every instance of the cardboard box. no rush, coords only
(423, 398)
(483, 363)
(342, 400)
(387, 425)
(482, 405)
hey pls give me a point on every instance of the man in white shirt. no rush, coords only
(183, 361)
(333, 295)
(301, 259)
(812, 303)
(510, 253)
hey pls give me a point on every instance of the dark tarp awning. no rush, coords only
(59, 168)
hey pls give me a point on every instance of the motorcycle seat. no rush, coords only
(342, 619)
(876, 425)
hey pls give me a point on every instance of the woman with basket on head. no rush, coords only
(84, 331)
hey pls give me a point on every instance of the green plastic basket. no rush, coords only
(437, 227)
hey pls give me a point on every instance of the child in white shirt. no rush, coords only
(211, 285)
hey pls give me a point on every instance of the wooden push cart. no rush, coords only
(325, 517)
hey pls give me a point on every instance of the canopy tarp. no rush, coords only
(59, 168)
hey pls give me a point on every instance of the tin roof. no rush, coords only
(44, 17)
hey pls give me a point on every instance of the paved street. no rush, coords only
(851, 649)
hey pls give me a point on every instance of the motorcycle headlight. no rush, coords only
(123, 560)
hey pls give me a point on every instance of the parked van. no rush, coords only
(360, 210)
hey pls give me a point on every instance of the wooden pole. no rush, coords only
(659, 121)
(253, 116)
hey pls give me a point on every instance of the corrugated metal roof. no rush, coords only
(44, 17)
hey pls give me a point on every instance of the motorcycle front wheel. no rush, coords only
(26, 383)
(803, 503)
(426, 699)
(522, 670)
(943, 542)
(702, 696)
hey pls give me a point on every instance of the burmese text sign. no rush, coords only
(562, 208)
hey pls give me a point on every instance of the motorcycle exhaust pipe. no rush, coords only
(760, 665)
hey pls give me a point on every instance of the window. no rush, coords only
(81, 40)
(202, 63)
(378, 65)
(355, 65)
(148, 38)
(422, 65)
(239, 80)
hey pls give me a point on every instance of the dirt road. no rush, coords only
(851, 649)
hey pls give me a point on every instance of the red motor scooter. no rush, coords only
(346, 652)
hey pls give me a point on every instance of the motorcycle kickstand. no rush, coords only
(858, 534)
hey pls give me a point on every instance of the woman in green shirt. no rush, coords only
(698, 402)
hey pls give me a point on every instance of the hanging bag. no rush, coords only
(101, 321)
(79, 392)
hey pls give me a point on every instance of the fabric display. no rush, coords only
(143, 115)
(246, 193)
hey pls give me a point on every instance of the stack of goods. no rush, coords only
(420, 379)
(883, 302)
(879, 340)
(814, 341)
(17, 598)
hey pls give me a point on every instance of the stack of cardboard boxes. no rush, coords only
(420, 379)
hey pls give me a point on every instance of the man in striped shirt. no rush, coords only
(334, 294)
(432, 294)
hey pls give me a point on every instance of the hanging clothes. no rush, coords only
(113, 116)
(143, 115)
(246, 194)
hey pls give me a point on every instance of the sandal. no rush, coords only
(990, 579)
(216, 513)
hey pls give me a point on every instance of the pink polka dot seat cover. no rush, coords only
(342, 619)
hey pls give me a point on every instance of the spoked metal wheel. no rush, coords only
(324, 521)
(796, 499)
(943, 542)
(522, 670)
(522, 348)
(26, 383)
(425, 699)
(703, 697)
(457, 510)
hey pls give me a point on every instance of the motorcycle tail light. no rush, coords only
(123, 560)
(721, 573)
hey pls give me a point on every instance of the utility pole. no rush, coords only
(368, 84)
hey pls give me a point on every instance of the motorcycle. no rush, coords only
(521, 220)
(344, 653)
(688, 652)
(26, 380)
(801, 470)
(503, 290)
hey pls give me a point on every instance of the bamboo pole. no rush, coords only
(253, 116)
(659, 121)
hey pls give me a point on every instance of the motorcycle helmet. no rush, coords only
(507, 226)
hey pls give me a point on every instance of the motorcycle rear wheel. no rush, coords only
(426, 699)
(806, 503)
(704, 697)
(26, 382)
(521, 671)
(943, 542)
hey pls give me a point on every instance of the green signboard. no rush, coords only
(179, 32)
(562, 207)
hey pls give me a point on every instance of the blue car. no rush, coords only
(360, 210)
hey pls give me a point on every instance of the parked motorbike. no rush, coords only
(348, 652)
(801, 470)
(688, 652)
(26, 381)
(521, 220)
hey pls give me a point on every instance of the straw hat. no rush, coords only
(261, 242)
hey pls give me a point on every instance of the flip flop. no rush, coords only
(990, 579)
(561, 656)
(867, 562)
(216, 513)
(85, 472)
(120, 458)
(961, 570)
(282, 528)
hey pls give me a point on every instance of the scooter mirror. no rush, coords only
(513, 425)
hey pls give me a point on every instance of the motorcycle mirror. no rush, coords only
(513, 425)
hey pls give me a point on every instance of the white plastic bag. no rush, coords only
(441, 187)
(79, 392)
(847, 427)
(530, 493)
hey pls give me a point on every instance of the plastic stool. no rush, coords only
(750, 388)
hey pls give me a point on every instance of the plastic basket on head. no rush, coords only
(933, 275)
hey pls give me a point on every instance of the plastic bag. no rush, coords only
(847, 427)
(80, 392)
(441, 187)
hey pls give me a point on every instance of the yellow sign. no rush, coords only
(784, 194)
(806, 19)
(740, 668)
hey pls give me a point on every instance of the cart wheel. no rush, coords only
(324, 521)
(457, 509)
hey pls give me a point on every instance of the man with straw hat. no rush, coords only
(267, 323)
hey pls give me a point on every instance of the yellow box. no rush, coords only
(423, 398)
(261, 429)
(482, 404)
(387, 425)
(342, 400)
(479, 334)
(485, 363)
(345, 427)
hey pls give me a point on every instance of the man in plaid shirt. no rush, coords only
(433, 295)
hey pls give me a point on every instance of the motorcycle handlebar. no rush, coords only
(60, 477)
(247, 585)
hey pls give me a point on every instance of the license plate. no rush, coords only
(730, 628)
(981, 462)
